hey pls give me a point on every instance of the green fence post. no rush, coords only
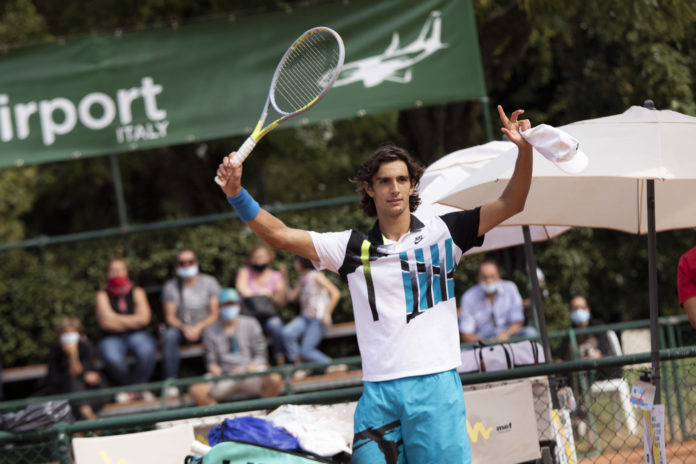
(63, 439)
(676, 380)
(487, 124)
(666, 391)
(120, 201)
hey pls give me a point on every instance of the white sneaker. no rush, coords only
(122, 397)
(172, 391)
(147, 395)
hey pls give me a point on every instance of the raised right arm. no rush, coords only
(267, 227)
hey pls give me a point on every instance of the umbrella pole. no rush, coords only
(539, 309)
(652, 283)
(536, 291)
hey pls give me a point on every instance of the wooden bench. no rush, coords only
(140, 406)
(312, 383)
(18, 374)
(38, 371)
(343, 329)
(327, 381)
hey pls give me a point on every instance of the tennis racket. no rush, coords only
(306, 72)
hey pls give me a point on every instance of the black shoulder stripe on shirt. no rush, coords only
(354, 258)
(463, 227)
(351, 260)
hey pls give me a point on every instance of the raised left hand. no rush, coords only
(513, 126)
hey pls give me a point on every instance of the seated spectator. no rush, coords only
(71, 366)
(318, 298)
(686, 284)
(123, 314)
(190, 302)
(590, 346)
(235, 344)
(263, 291)
(492, 309)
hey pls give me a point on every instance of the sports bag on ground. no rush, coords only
(487, 358)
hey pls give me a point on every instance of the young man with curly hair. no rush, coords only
(400, 277)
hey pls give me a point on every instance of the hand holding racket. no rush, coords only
(306, 72)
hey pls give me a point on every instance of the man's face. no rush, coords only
(390, 189)
(488, 274)
(578, 303)
(186, 259)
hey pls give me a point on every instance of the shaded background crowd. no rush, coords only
(254, 325)
(233, 325)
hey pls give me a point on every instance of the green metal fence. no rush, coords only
(602, 425)
(605, 427)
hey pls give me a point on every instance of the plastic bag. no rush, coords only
(37, 416)
(314, 435)
(252, 430)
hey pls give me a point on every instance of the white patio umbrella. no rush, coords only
(447, 172)
(641, 178)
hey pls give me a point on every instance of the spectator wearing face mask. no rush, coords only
(190, 304)
(71, 365)
(263, 292)
(235, 344)
(591, 345)
(123, 314)
(492, 309)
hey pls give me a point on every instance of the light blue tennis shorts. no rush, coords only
(417, 420)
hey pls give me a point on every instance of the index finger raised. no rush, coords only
(503, 116)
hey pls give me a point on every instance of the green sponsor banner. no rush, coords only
(143, 89)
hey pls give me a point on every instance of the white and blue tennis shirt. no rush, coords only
(403, 292)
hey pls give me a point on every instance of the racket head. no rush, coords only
(307, 71)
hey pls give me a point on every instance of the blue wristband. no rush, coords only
(246, 207)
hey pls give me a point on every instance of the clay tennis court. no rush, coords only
(678, 452)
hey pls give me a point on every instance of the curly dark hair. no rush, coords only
(371, 165)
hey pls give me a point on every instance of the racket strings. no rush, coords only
(301, 80)
(306, 72)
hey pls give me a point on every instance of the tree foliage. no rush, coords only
(562, 61)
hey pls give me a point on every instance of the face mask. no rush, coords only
(259, 267)
(69, 338)
(580, 316)
(229, 313)
(490, 288)
(187, 272)
(118, 281)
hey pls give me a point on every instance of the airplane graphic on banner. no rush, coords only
(395, 64)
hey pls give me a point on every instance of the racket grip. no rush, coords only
(239, 157)
(199, 448)
(243, 151)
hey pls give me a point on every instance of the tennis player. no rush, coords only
(400, 277)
